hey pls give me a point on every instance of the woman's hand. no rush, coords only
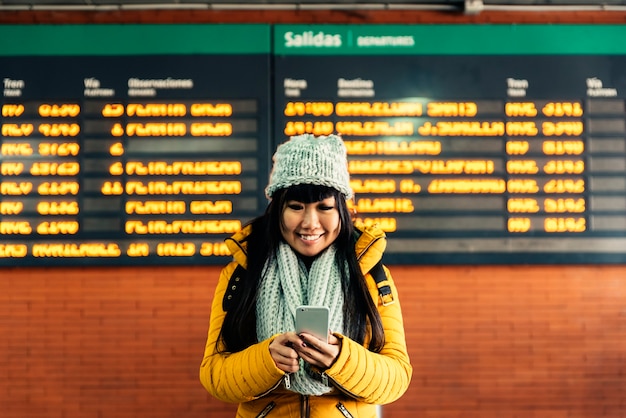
(283, 353)
(316, 352)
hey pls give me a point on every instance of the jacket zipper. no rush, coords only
(265, 412)
(359, 256)
(305, 407)
(344, 411)
(326, 379)
(286, 381)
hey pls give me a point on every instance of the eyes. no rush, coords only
(323, 206)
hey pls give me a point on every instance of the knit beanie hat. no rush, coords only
(307, 159)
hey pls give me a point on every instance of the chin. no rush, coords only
(310, 251)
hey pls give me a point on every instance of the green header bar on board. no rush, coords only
(429, 39)
(136, 39)
(434, 39)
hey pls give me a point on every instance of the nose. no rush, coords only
(310, 219)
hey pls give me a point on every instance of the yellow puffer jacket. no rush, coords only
(361, 379)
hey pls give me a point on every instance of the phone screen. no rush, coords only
(313, 320)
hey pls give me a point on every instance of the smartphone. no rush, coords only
(313, 320)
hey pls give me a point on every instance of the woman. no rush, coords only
(305, 250)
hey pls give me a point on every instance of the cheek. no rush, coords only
(284, 233)
(288, 223)
(333, 224)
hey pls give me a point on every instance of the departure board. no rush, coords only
(131, 144)
(470, 143)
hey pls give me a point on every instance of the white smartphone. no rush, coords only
(313, 320)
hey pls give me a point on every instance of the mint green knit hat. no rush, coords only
(307, 159)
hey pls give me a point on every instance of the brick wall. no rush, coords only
(485, 342)
(118, 343)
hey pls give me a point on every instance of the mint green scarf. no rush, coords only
(285, 285)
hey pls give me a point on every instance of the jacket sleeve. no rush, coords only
(378, 378)
(235, 377)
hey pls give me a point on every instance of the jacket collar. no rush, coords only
(370, 245)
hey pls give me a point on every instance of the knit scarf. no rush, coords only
(285, 285)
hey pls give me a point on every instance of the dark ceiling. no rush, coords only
(468, 5)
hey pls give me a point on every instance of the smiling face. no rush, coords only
(310, 228)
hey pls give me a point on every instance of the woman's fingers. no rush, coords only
(317, 352)
(283, 353)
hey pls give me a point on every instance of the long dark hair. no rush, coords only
(239, 327)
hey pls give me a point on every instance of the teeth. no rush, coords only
(310, 237)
